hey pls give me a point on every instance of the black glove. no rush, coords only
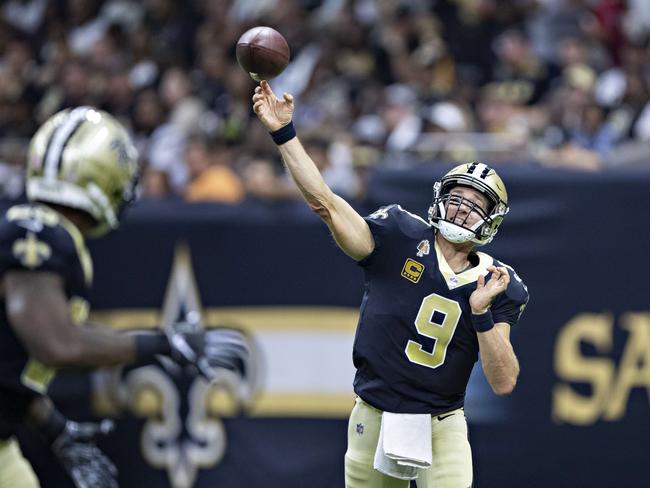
(84, 462)
(210, 350)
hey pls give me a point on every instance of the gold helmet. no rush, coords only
(482, 178)
(83, 158)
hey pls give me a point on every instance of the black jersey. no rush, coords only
(36, 238)
(415, 346)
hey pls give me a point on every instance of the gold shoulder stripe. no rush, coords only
(80, 245)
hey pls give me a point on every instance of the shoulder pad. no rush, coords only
(517, 289)
(32, 237)
(395, 216)
(509, 306)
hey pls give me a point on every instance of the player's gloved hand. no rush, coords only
(210, 350)
(84, 462)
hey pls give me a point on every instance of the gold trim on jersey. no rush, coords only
(37, 376)
(453, 280)
(42, 214)
(80, 244)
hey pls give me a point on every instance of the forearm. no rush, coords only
(304, 172)
(500, 364)
(97, 346)
(350, 231)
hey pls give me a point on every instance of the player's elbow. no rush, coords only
(321, 210)
(503, 390)
(504, 387)
(321, 206)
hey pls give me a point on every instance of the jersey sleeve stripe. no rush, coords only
(399, 207)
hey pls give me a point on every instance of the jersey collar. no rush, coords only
(453, 280)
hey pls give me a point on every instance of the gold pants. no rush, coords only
(15, 470)
(452, 455)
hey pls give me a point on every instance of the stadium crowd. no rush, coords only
(377, 82)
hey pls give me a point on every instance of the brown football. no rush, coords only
(262, 52)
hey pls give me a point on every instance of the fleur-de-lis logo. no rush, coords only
(182, 444)
(30, 251)
(382, 213)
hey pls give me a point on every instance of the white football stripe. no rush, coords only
(59, 139)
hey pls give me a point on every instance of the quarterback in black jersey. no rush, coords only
(432, 306)
(81, 172)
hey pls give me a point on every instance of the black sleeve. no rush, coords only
(510, 304)
(31, 245)
(381, 223)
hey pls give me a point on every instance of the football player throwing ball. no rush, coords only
(432, 305)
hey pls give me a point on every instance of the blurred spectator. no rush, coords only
(334, 161)
(261, 181)
(211, 176)
(505, 81)
(518, 65)
(12, 156)
(155, 184)
(26, 16)
(335, 164)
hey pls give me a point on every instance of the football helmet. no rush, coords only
(482, 178)
(83, 158)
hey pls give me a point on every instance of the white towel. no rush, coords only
(404, 446)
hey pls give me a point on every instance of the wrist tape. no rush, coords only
(483, 322)
(284, 134)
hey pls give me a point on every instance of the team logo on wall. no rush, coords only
(183, 430)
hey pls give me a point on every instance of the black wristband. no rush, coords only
(284, 134)
(482, 322)
(148, 345)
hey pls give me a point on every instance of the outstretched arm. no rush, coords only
(37, 310)
(350, 231)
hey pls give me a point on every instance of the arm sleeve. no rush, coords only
(509, 305)
(381, 223)
(30, 245)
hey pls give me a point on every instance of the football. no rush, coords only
(263, 52)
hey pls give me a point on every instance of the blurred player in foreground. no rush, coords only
(432, 304)
(81, 173)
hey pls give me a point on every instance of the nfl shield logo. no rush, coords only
(359, 428)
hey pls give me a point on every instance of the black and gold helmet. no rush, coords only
(482, 178)
(83, 158)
